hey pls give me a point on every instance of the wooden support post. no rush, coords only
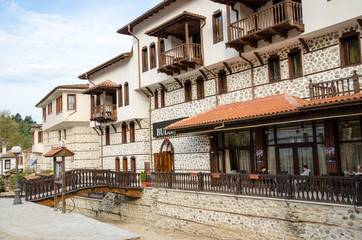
(63, 184)
(311, 90)
(159, 51)
(228, 20)
(104, 103)
(260, 144)
(187, 40)
(330, 133)
(355, 82)
(55, 184)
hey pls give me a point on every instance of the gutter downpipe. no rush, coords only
(138, 55)
(252, 75)
(150, 132)
(216, 87)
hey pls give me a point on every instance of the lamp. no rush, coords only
(17, 150)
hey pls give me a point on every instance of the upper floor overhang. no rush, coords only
(176, 26)
(253, 4)
(105, 86)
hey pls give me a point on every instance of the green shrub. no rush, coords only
(143, 177)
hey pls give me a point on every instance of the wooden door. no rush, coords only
(117, 163)
(125, 164)
(163, 162)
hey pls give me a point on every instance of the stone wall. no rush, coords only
(227, 216)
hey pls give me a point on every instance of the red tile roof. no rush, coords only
(107, 84)
(55, 150)
(8, 154)
(332, 100)
(249, 109)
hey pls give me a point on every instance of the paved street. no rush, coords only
(30, 221)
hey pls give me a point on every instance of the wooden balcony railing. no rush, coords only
(181, 56)
(277, 19)
(342, 190)
(333, 88)
(103, 113)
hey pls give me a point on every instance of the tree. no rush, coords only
(9, 130)
(17, 117)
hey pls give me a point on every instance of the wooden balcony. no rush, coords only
(104, 113)
(263, 25)
(180, 58)
(334, 88)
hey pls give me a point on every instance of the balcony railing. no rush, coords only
(104, 113)
(181, 57)
(333, 88)
(277, 19)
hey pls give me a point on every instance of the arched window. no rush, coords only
(131, 132)
(133, 164)
(188, 91)
(124, 133)
(200, 87)
(222, 82)
(125, 164)
(126, 94)
(117, 164)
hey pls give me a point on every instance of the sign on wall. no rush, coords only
(159, 128)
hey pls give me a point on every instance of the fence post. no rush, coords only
(357, 182)
(289, 187)
(238, 184)
(200, 181)
(355, 82)
(169, 179)
(311, 90)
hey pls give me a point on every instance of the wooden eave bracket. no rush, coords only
(259, 58)
(203, 74)
(114, 128)
(359, 22)
(138, 123)
(149, 90)
(227, 67)
(163, 87)
(101, 130)
(143, 91)
(95, 129)
(178, 81)
(305, 46)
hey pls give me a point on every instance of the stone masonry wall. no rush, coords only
(227, 216)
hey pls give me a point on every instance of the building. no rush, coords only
(234, 85)
(66, 123)
(35, 157)
(8, 161)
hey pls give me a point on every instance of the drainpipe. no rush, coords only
(101, 146)
(138, 55)
(149, 101)
(216, 86)
(252, 75)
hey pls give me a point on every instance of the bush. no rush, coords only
(2, 184)
(143, 177)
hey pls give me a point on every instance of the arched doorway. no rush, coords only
(164, 160)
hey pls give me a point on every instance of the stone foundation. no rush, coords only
(227, 216)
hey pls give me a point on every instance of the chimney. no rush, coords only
(4, 149)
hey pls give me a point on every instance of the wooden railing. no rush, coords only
(342, 190)
(290, 12)
(42, 188)
(333, 88)
(104, 111)
(185, 52)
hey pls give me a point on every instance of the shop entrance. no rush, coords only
(164, 159)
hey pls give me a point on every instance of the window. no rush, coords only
(152, 55)
(144, 59)
(295, 63)
(133, 164)
(117, 164)
(217, 26)
(162, 46)
(188, 91)
(50, 108)
(20, 160)
(59, 104)
(200, 87)
(72, 102)
(162, 98)
(108, 137)
(59, 135)
(350, 49)
(7, 164)
(124, 133)
(222, 82)
(126, 94)
(120, 96)
(44, 114)
(33, 137)
(156, 99)
(65, 134)
(40, 137)
(274, 68)
(125, 164)
(131, 132)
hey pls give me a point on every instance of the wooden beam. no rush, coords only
(149, 90)
(178, 81)
(259, 58)
(139, 123)
(227, 67)
(177, 65)
(359, 22)
(305, 46)
(95, 129)
(267, 38)
(228, 21)
(281, 32)
(142, 91)
(203, 74)
(100, 129)
(114, 128)
(172, 69)
(163, 87)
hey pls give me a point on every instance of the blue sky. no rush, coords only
(46, 43)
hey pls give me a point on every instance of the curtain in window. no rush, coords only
(351, 156)
(271, 160)
(244, 160)
(286, 160)
(305, 157)
(353, 50)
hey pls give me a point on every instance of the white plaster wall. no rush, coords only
(37, 147)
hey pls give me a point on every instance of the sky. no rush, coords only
(46, 43)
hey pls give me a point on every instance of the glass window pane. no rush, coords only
(305, 157)
(286, 160)
(320, 133)
(244, 160)
(349, 130)
(322, 159)
(271, 160)
(351, 155)
(242, 139)
(219, 140)
(269, 136)
(295, 134)
(220, 165)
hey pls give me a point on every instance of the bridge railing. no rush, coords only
(78, 179)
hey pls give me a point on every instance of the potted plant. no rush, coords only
(143, 178)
